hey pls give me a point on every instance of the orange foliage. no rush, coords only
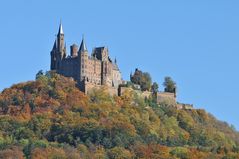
(152, 151)
(42, 153)
(12, 153)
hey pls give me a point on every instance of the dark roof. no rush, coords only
(82, 46)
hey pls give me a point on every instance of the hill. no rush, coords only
(51, 118)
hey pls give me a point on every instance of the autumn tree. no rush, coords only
(13, 152)
(141, 78)
(62, 122)
(119, 153)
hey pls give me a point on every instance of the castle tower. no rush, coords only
(58, 51)
(105, 54)
(61, 42)
(74, 50)
(106, 67)
(83, 54)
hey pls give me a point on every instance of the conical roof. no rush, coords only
(82, 46)
(60, 29)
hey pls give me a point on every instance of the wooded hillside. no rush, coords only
(51, 118)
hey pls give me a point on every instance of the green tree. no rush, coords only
(39, 74)
(170, 85)
(119, 153)
(141, 78)
(154, 87)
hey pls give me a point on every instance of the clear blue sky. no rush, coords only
(194, 42)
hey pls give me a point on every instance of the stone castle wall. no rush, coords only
(161, 96)
(92, 71)
(69, 68)
(89, 87)
(166, 96)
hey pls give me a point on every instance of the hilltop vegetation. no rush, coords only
(51, 118)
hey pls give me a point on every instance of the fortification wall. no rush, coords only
(165, 96)
(90, 87)
(161, 96)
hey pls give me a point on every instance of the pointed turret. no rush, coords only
(60, 29)
(83, 54)
(61, 42)
(82, 46)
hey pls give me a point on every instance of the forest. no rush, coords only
(51, 118)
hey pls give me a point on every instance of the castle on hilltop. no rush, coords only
(89, 71)
(95, 70)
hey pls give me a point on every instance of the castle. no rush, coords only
(89, 71)
(95, 70)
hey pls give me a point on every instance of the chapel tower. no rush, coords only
(83, 53)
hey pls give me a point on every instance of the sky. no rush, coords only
(194, 42)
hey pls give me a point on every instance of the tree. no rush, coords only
(141, 78)
(154, 87)
(13, 152)
(39, 74)
(119, 153)
(170, 85)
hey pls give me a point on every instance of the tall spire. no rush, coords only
(60, 40)
(60, 29)
(82, 45)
